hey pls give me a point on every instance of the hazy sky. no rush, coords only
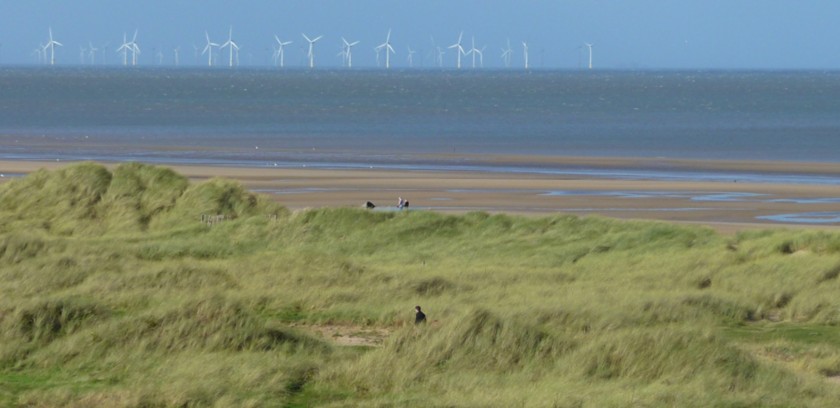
(634, 34)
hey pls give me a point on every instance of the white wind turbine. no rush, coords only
(386, 46)
(525, 53)
(92, 50)
(311, 53)
(209, 49)
(51, 45)
(232, 45)
(459, 50)
(39, 53)
(411, 57)
(507, 53)
(124, 49)
(474, 51)
(280, 54)
(437, 54)
(588, 45)
(134, 48)
(177, 52)
(348, 51)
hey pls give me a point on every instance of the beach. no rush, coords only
(685, 192)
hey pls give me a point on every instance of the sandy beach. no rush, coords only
(728, 206)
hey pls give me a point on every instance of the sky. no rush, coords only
(626, 34)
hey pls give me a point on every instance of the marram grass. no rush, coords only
(115, 293)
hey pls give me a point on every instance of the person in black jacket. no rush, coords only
(419, 316)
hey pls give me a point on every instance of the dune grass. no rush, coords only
(115, 293)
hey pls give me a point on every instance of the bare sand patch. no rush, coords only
(348, 335)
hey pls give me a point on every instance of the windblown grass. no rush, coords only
(116, 294)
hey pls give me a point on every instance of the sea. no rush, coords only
(401, 118)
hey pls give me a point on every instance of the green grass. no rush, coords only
(116, 294)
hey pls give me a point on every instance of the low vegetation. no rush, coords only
(116, 292)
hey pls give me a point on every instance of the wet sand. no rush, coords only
(727, 206)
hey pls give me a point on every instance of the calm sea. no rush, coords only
(323, 116)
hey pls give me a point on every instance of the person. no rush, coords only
(419, 316)
(400, 203)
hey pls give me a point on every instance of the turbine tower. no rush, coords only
(459, 50)
(388, 49)
(209, 49)
(348, 51)
(51, 45)
(311, 53)
(40, 51)
(525, 53)
(124, 49)
(280, 54)
(473, 51)
(232, 45)
(177, 52)
(506, 54)
(92, 50)
(411, 57)
(134, 48)
(588, 45)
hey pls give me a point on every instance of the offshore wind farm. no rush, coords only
(277, 52)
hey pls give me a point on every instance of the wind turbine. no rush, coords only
(438, 54)
(473, 51)
(506, 54)
(459, 50)
(124, 49)
(134, 48)
(51, 45)
(177, 51)
(92, 50)
(39, 52)
(411, 57)
(311, 53)
(588, 45)
(525, 53)
(209, 49)
(232, 45)
(388, 49)
(348, 51)
(280, 53)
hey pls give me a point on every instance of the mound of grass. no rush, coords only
(88, 199)
(116, 293)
